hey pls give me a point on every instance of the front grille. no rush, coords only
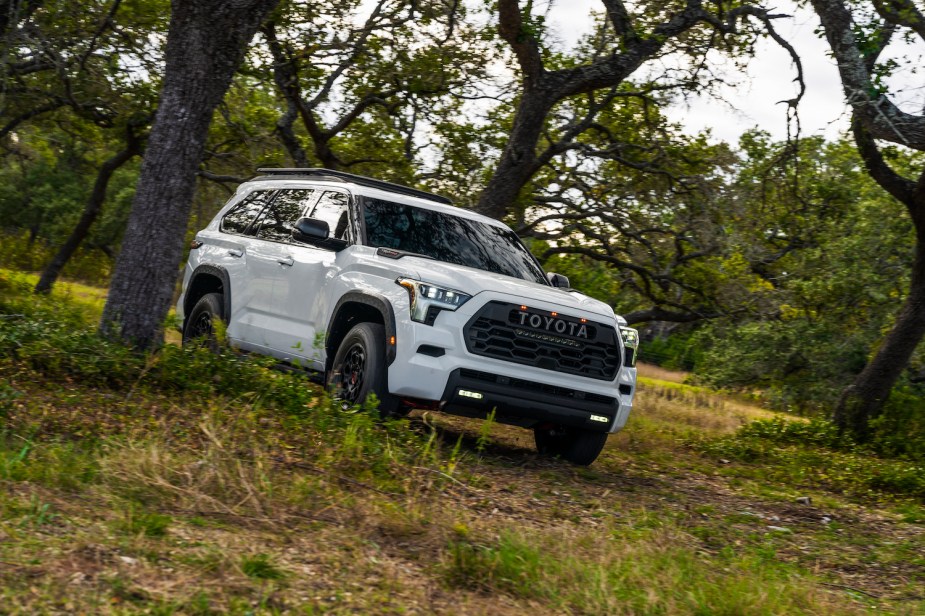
(553, 391)
(544, 340)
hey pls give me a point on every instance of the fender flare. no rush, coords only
(380, 304)
(209, 270)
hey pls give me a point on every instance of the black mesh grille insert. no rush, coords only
(545, 340)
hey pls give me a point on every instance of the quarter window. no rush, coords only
(239, 219)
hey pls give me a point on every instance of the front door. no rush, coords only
(302, 289)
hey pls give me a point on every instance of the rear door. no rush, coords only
(230, 249)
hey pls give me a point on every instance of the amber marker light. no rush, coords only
(584, 320)
(392, 340)
(555, 314)
(523, 307)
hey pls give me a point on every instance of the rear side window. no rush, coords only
(240, 218)
(276, 222)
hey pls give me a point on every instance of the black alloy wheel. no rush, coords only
(360, 369)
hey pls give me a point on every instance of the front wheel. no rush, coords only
(359, 369)
(575, 445)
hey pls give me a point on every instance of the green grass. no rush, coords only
(188, 482)
(634, 570)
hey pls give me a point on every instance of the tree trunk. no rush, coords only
(206, 42)
(863, 400)
(90, 213)
(519, 159)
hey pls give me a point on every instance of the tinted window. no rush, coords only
(277, 221)
(448, 238)
(240, 217)
(332, 208)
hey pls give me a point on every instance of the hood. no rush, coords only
(474, 281)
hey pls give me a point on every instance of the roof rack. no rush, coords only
(342, 176)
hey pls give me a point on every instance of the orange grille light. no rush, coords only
(523, 307)
(555, 314)
(584, 320)
(392, 340)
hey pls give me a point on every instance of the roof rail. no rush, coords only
(315, 172)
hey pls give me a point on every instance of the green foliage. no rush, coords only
(61, 464)
(578, 574)
(510, 565)
(833, 249)
(261, 567)
(900, 430)
(139, 521)
(814, 455)
(800, 365)
(681, 350)
(816, 432)
(39, 514)
(8, 397)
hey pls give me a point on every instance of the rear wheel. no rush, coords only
(201, 322)
(572, 444)
(360, 369)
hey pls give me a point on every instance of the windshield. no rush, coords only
(448, 238)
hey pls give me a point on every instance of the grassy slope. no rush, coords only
(177, 489)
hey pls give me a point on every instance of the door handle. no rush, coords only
(234, 252)
(287, 261)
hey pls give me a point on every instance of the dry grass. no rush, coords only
(651, 371)
(694, 407)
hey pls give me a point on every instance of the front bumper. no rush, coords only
(526, 403)
(433, 363)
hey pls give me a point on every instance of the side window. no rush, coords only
(240, 217)
(332, 208)
(276, 222)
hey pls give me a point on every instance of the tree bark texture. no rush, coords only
(519, 158)
(206, 42)
(542, 89)
(881, 116)
(91, 212)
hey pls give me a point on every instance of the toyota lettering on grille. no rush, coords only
(552, 324)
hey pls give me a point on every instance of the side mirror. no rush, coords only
(317, 233)
(557, 280)
(310, 230)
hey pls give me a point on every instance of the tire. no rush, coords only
(200, 324)
(574, 445)
(360, 369)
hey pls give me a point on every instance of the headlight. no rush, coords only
(631, 344)
(427, 300)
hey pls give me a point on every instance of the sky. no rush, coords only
(752, 98)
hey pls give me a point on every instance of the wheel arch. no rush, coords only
(357, 307)
(204, 280)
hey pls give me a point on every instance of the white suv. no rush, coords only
(383, 289)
